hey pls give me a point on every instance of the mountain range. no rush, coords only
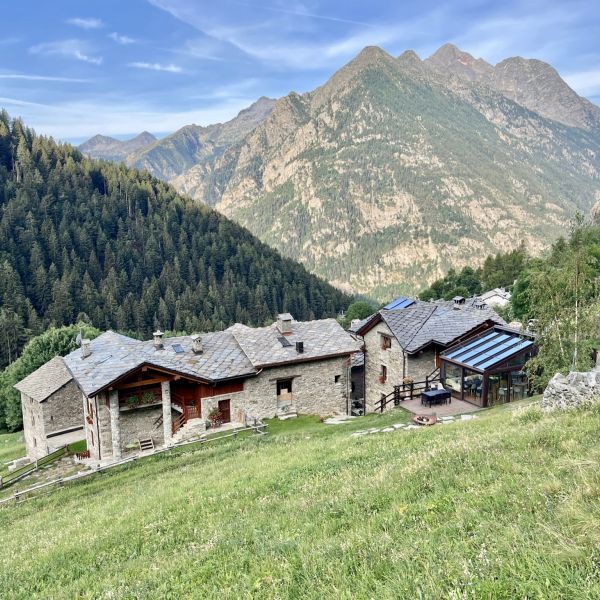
(397, 168)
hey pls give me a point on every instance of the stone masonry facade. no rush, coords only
(59, 412)
(397, 363)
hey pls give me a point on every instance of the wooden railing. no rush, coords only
(177, 423)
(407, 390)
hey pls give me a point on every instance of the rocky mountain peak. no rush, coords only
(449, 58)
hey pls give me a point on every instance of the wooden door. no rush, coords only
(225, 410)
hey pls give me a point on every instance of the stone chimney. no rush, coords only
(86, 348)
(197, 344)
(158, 339)
(284, 323)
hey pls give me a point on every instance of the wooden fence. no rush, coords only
(18, 474)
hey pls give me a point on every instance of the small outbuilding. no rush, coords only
(52, 405)
(489, 369)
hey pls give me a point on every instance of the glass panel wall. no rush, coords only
(453, 379)
(473, 387)
(498, 389)
(519, 385)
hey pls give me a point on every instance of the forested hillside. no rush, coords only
(81, 238)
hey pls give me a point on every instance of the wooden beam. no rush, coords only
(142, 382)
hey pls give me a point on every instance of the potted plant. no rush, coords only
(147, 398)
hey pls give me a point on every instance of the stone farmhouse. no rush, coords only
(404, 340)
(52, 407)
(128, 394)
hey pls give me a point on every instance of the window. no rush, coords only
(34, 443)
(284, 387)
(92, 437)
(337, 378)
(386, 341)
(383, 374)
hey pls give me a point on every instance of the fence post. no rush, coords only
(412, 387)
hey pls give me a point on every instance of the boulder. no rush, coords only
(570, 391)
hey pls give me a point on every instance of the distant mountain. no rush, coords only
(194, 144)
(108, 148)
(80, 236)
(398, 169)
(191, 145)
(529, 82)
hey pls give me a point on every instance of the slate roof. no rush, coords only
(423, 323)
(46, 380)
(114, 355)
(321, 339)
(237, 352)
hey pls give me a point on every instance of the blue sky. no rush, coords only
(73, 68)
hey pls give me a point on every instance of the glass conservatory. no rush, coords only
(489, 369)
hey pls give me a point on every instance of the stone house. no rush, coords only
(51, 406)
(131, 391)
(404, 342)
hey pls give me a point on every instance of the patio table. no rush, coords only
(431, 397)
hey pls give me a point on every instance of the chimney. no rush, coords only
(158, 339)
(86, 349)
(197, 344)
(284, 323)
(458, 301)
(300, 347)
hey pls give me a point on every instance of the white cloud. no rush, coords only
(86, 23)
(27, 77)
(170, 68)
(68, 48)
(121, 39)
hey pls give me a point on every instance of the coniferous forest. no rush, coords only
(94, 241)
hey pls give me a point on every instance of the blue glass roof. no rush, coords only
(400, 302)
(489, 349)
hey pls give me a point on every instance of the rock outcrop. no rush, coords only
(564, 392)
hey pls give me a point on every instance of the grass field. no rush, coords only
(504, 506)
(12, 445)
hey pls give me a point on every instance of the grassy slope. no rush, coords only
(505, 506)
(12, 445)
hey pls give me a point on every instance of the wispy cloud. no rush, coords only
(121, 39)
(86, 22)
(68, 48)
(115, 116)
(28, 77)
(170, 68)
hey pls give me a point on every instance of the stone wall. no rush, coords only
(33, 427)
(420, 365)
(314, 389)
(399, 365)
(237, 405)
(564, 392)
(375, 357)
(139, 423)
(63, 409)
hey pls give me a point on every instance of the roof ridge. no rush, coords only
(434, 307)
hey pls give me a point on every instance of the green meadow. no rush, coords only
(503, 506)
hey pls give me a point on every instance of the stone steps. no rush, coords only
(193, 428)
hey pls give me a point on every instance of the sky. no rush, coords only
(74, 68)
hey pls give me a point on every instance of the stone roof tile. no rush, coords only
(46, 380)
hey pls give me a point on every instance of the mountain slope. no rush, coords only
(501, 506)
(108, 148)
(529, 82)
(193, 144)
(391, 173)
(80, 236)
